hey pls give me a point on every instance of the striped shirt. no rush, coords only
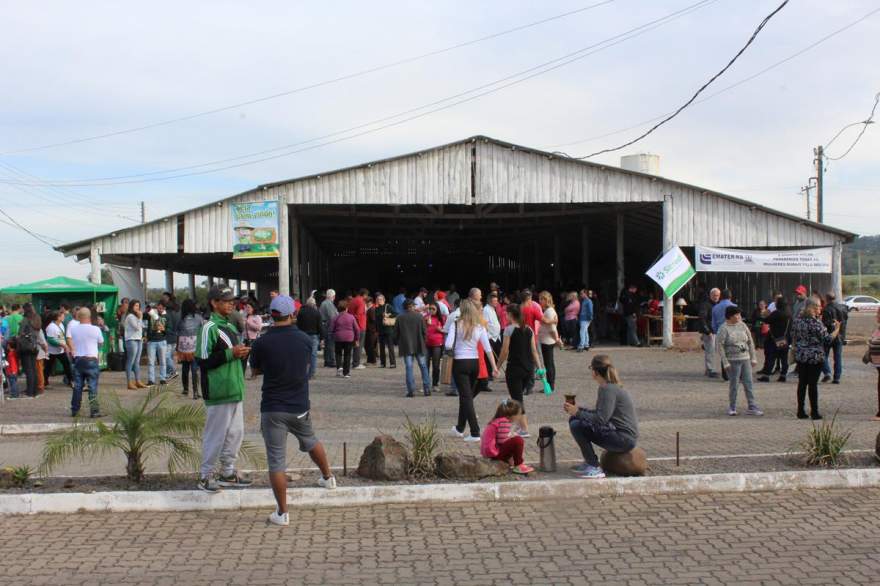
(502, 427)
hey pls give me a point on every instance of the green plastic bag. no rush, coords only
(541, 375)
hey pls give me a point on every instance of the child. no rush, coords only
(500, 443)
(12, 368)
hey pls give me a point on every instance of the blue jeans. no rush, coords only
(12, 379)
(156, 350)
(85, 371)
(133, 349)
(316, 343)
(170, 368)
(587, 432)
(584, 340)
(423, 366)
(837, 349)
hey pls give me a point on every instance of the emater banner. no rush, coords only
(735, 260)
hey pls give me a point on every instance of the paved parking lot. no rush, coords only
(812, 537)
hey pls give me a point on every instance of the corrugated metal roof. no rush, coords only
(504, 172)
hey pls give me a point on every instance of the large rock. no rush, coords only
(466, 467)
(7, 477)
(632, 463)
(384, 459)
(877, 447)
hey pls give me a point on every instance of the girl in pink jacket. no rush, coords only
(498, 441)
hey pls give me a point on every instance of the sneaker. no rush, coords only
(802, 415)
(455, 433)
(163, 382)
(580, 468)
(409, 395)
(451, 394)
(208, 484)
(435, 389)
(781, 379)
(816, 416)
(732, 412)
(173, 376)
(522, 469)
(234, 480)
(592, 472)
(346, 376)
(151, 383)
(328, 483)
(835, 382)
(754, 411)
(282, 519)
(339, 372)
(826, 378)
(472, 438)
(359, 367)
(763, 379)
(523, 433)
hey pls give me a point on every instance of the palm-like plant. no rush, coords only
(147, 429)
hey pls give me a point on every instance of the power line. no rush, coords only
(517, 78)
(334, 80)
(809, 47)
(36, 235)
(698, 92)
(864, 123)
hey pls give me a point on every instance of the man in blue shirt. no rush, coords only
(283, 356)
(585, 316)
(718, 317)
(397, 302)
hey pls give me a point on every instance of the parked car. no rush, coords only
(861, 303)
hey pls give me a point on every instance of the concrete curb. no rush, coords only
(33, 428)
(194, 500)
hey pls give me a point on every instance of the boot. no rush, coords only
(140, 385)
(132, 386)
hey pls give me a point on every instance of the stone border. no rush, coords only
(194, 500)
(33, 428)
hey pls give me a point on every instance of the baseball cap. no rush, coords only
(801, 290)
(221, 292)
(283, 306)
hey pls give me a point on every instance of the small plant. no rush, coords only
(424, 440)
(824, 444)
(21, 475)
(147, 429)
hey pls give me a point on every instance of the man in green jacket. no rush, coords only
(219, 353)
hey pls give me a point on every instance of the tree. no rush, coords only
(106, 276)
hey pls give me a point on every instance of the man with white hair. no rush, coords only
(707, 334)
(328, 312)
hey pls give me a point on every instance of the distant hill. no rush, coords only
(870, 249)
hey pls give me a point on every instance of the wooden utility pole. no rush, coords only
(143, 270)
(820, 164)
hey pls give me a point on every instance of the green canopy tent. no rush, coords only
(57, 290)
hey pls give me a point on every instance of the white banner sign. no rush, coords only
(734, 260)
(672, 271)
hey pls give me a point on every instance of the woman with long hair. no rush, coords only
(521, 353)
(467, 337)
(434, 342)
(548, 335)
(809, 337)
(27, 346)
(612, 425)
(776, 342)
(134, 344)
(188, 328)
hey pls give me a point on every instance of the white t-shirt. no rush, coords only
(467, 349)
(86, 339)
(70, 325)
(419, 303)
(493, 326)
(56, 332)
(547, 332)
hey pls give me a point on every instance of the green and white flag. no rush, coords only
(672, 271)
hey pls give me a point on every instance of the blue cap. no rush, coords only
(282, 305)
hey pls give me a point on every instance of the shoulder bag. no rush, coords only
(448, 358)
(388, 320)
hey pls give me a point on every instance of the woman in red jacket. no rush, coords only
(434, 341)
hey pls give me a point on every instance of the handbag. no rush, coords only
(783, 341)
(388, 320)
(447, 360)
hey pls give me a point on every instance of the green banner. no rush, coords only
(254, 229)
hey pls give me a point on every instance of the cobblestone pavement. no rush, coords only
(811, 537)
(670, 391)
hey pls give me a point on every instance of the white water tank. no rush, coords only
(642, 163)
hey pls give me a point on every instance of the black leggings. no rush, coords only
(465, 372)
(343, 356)
(189, 369)
(29, 364)
(549, 364)
(517, 380)
(65, 364)
(434, 355)
(808, 376)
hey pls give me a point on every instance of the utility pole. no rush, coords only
(859, 260)
(143, 270)
(806, 191)
(820, 165)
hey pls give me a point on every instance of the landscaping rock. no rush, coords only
(877, 447)
(466, 467)
(384, 459)
(7, 477)
(632, 463)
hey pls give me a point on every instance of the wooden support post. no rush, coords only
(585, 256)
(169, 281)
(284, 245)
(837, 270)
(557, 270)
(668, 243)
(621, 275)
(191, 283)
(94, 264)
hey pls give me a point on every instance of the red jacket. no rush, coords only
(358, 308)
(434, 336)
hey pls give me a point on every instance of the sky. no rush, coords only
(76, 70)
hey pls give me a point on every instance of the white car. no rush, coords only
(861, 303)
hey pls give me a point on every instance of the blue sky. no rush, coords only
(72, 70)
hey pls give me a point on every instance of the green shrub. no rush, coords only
(21, 475)
(424, 441)
(824, 444)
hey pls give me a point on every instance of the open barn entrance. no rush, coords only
(549, 246)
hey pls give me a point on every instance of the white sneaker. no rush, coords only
(455, 433)
(359, 367)
(328, 483)
(472, 438)
(338, 372)
(277, 518)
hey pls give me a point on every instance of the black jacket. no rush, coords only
(629, 302)
(705, 315)
(836, 312)
(410, 331)
(308, 320)
(779, 323)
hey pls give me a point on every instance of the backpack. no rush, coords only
(26, 339)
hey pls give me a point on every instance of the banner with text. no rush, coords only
(734, 260)
(672, 271)
(254, 229)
